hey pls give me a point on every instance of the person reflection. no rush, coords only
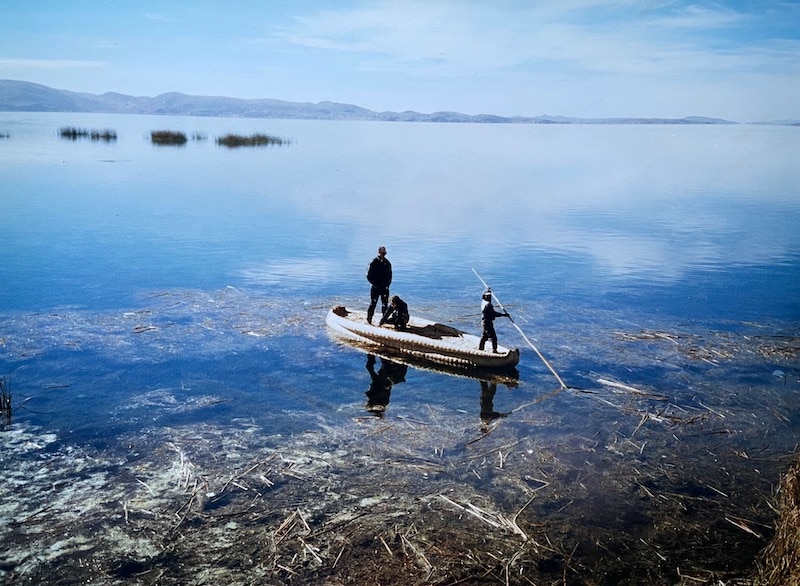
(380, 389)
(488, 414)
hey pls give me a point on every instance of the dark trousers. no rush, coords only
(488, 334)
(374, 293)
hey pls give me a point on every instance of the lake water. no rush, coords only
(176, 395)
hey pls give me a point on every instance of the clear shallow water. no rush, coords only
(149, 289)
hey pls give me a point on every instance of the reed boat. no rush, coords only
(422, 339)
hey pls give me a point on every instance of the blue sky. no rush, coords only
(738, 60)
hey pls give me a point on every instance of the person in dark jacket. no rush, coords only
(379, 275)
(397, 314)
(488, 313)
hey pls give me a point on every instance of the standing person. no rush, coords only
(397, 314)
(488, 313)
(379, 275)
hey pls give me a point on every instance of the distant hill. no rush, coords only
(23, 96)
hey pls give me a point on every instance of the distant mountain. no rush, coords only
(23, 96)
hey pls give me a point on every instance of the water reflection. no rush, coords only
(488, 414)
(380, 389)
(393, 371)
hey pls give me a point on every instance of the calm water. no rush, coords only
(149, 287)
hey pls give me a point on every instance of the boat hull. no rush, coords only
(423, 339)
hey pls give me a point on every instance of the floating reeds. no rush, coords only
(236, 140)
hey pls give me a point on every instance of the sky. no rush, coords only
(732, 59)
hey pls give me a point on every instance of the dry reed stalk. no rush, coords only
(388, 549)
(338, 557)
(741, 525)
(715, 489)
(143, 483)
(287, 570)
(717, 413)
(310, 549)
(407, 542)
(283, 529)
(655, 551)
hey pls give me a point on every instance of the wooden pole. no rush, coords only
(535, 349)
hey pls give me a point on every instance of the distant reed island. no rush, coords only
(235, 140)
(177, 138)
(72, 133)
(170, 137)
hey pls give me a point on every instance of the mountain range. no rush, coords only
(23, 96)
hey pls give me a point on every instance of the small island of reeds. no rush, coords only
(237, 140)
(72, 133)
(168, 137)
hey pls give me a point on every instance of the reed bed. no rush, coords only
(73, 133)
(168, 137)
(236, 140)
(781, 564)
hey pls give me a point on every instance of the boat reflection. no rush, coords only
(393, 371)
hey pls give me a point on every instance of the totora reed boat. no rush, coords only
(422, 339)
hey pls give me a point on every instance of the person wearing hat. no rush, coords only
(488, 313)
(379, 275)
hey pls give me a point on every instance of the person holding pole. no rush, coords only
(488, 313)
(521, 333)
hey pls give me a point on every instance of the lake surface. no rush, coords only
(162, 335)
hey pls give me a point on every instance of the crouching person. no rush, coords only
(396, 314)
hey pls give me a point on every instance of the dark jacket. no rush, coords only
(379, 273)
(396, 314)
(488, 313)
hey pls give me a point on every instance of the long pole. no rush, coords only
(535, 349)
